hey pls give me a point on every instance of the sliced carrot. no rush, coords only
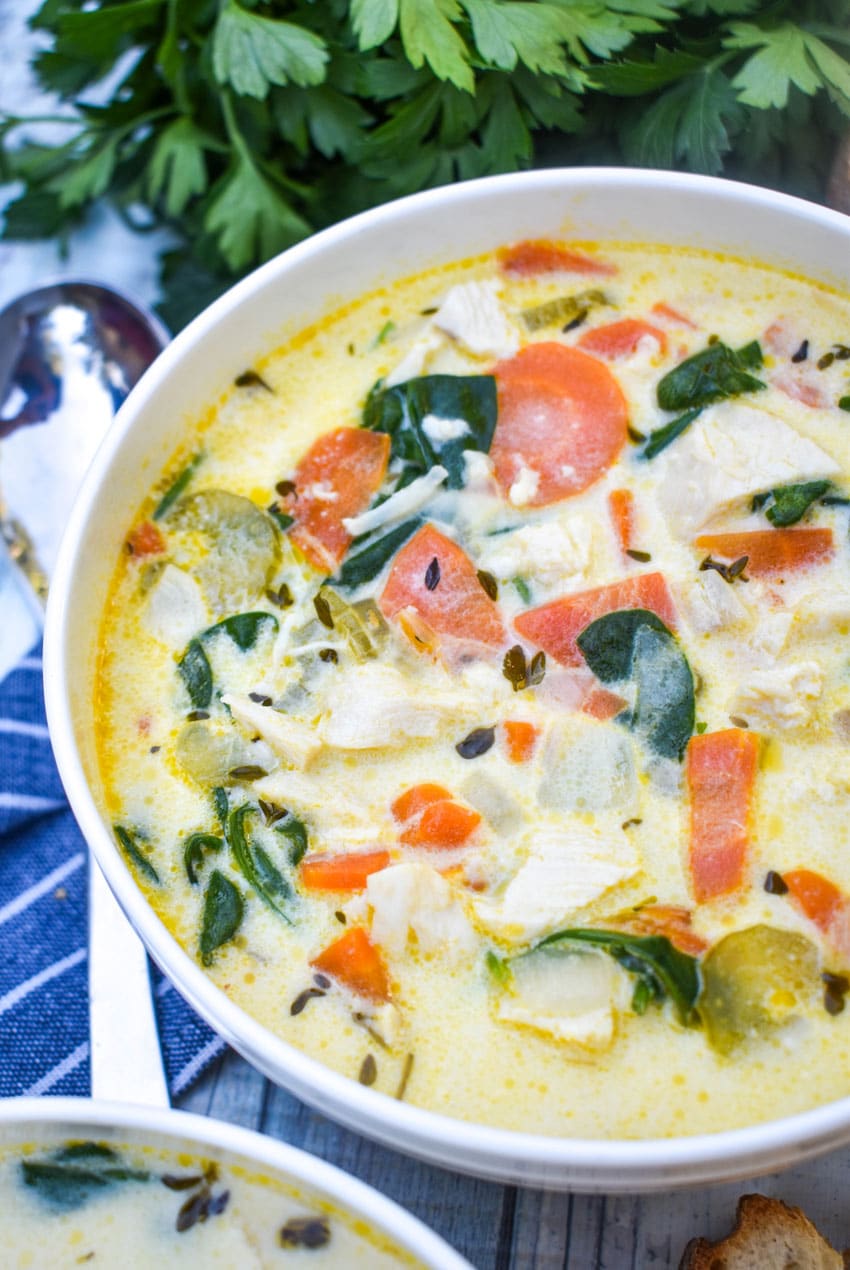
(619, 339)
(146, 540)
(721, 772)
(771, 550)
(667, 311)
(337, 477)
(520, 739)
(447, 595)
(824, 904)
(562, 415)
(540, 255)
(600, 703)
(554, 626)
(416, 799)
(669, 920)
(347, 872)
(354, 961)
(443, 824)
(621, 504)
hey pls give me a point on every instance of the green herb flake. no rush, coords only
(498, 968)
(255, 865)
(222, 915)
(177, 487)
(371, 554)
(194, 850)
(195, 671)
(714, 374)
(567, 309)
(70, 1176)
(844, 403)
(384, 334)
(789, 503)
(135, 854)
(243, 628)
(400, 411)
(522, 589)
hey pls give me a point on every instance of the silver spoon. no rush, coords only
(69, 355)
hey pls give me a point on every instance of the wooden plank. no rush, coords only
(541, 1230)
(465, 1211)
(239, 1093)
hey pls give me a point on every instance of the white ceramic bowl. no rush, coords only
(53, 1120)
(285, 295)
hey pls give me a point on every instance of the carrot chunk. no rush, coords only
(354, 961)
(347, 872)
(670, 920)
(667, 311)
(442, 824)
(824, 904)
(621, 504)
(337, 477)
(771, 550)
(619, 339)
(721, 773)
(539, 255)
(447, 595)
(416, 799)
(562, 417)
(520, 739)
(601, 703)
(555, 626)
(146, 540)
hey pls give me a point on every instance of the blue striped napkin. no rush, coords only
(44, 1046)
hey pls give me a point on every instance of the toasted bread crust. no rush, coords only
(768, 1235)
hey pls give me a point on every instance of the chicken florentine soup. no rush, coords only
(474, 696)
(135, 1204)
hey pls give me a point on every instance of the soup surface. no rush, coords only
(474, 698)
(132, 1204)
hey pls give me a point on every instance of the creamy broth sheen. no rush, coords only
(131, 1204)
(666, 764)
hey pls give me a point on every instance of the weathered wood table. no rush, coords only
(496, 1227)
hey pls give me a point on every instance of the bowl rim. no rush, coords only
(359, 1198)
(591, 1164)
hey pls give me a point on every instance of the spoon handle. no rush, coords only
(126, 1060)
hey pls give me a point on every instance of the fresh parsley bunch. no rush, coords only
(246, 124)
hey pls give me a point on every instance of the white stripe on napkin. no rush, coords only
(19, 728)
(28, 663)
(165, 986)
(190, 1071)
(47, 883)
(28, 802)
(23, 990)
(51, 1078)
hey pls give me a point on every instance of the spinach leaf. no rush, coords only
(716, 372)
(174, 490)
(135, 854)
(368, 561)
(221, 804)
(608, 644)
(194, 669)
(255, 864)
(635, 644)
(282, 519)
(790, 502)
(664, 436)
(658, 965)
(400, 410)
(243, 628)
(664, 712)
(68, 1177)
(295, 831)
(194, 848)
(222, 917)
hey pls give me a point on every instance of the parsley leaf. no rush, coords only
(787, 55)
(249, 218)
(251, 52)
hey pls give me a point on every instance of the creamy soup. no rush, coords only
(474, 698)
(131, 1204)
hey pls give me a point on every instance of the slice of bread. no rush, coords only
(768, 1235)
